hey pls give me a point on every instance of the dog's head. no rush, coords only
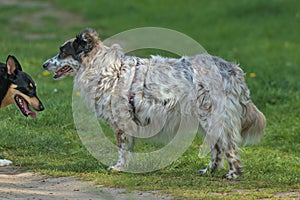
(71, 54)
(20, 88)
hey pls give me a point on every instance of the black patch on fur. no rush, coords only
(82, 44)
(5, 78)
(67, 50)
(24, 83)
(84, 41)
(4, 84)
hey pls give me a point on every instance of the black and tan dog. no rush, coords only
(17, 87)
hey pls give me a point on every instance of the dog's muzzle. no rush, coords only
(50, 64)
(47, 67)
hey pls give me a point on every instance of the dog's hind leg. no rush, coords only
(234, 163)
(217, 155)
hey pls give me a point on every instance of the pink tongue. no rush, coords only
(28, 111)
(32, 114)
(59, 73)
(63, 70)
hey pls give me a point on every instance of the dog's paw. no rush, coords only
(202, 171)
(232, 175)
(115, 168)
(4, 162)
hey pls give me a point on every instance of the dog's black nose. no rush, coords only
(41, 107)
(45, 65)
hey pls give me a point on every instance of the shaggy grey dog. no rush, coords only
(130, 92)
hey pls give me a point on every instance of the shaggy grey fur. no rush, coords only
(130, 93)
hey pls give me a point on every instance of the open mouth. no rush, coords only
(24, 106)
(62, 71)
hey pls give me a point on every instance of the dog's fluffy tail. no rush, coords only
(253, 124)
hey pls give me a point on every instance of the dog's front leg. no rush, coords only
(121, 163)
(125, 145)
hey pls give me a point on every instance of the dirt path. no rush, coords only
(18, 184)
(21, 185)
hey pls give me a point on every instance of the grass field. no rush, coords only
(263, 36)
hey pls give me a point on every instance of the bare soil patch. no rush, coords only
(44, 10)
(18, 184)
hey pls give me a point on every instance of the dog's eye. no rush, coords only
(62, 54)
(30, 86)
(62, 51)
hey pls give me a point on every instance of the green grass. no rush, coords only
(263, 36)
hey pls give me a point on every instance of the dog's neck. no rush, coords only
(4, 85)
(103, 60)
(99, 72)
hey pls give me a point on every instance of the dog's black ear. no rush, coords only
(12, 65)
(86, 40)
